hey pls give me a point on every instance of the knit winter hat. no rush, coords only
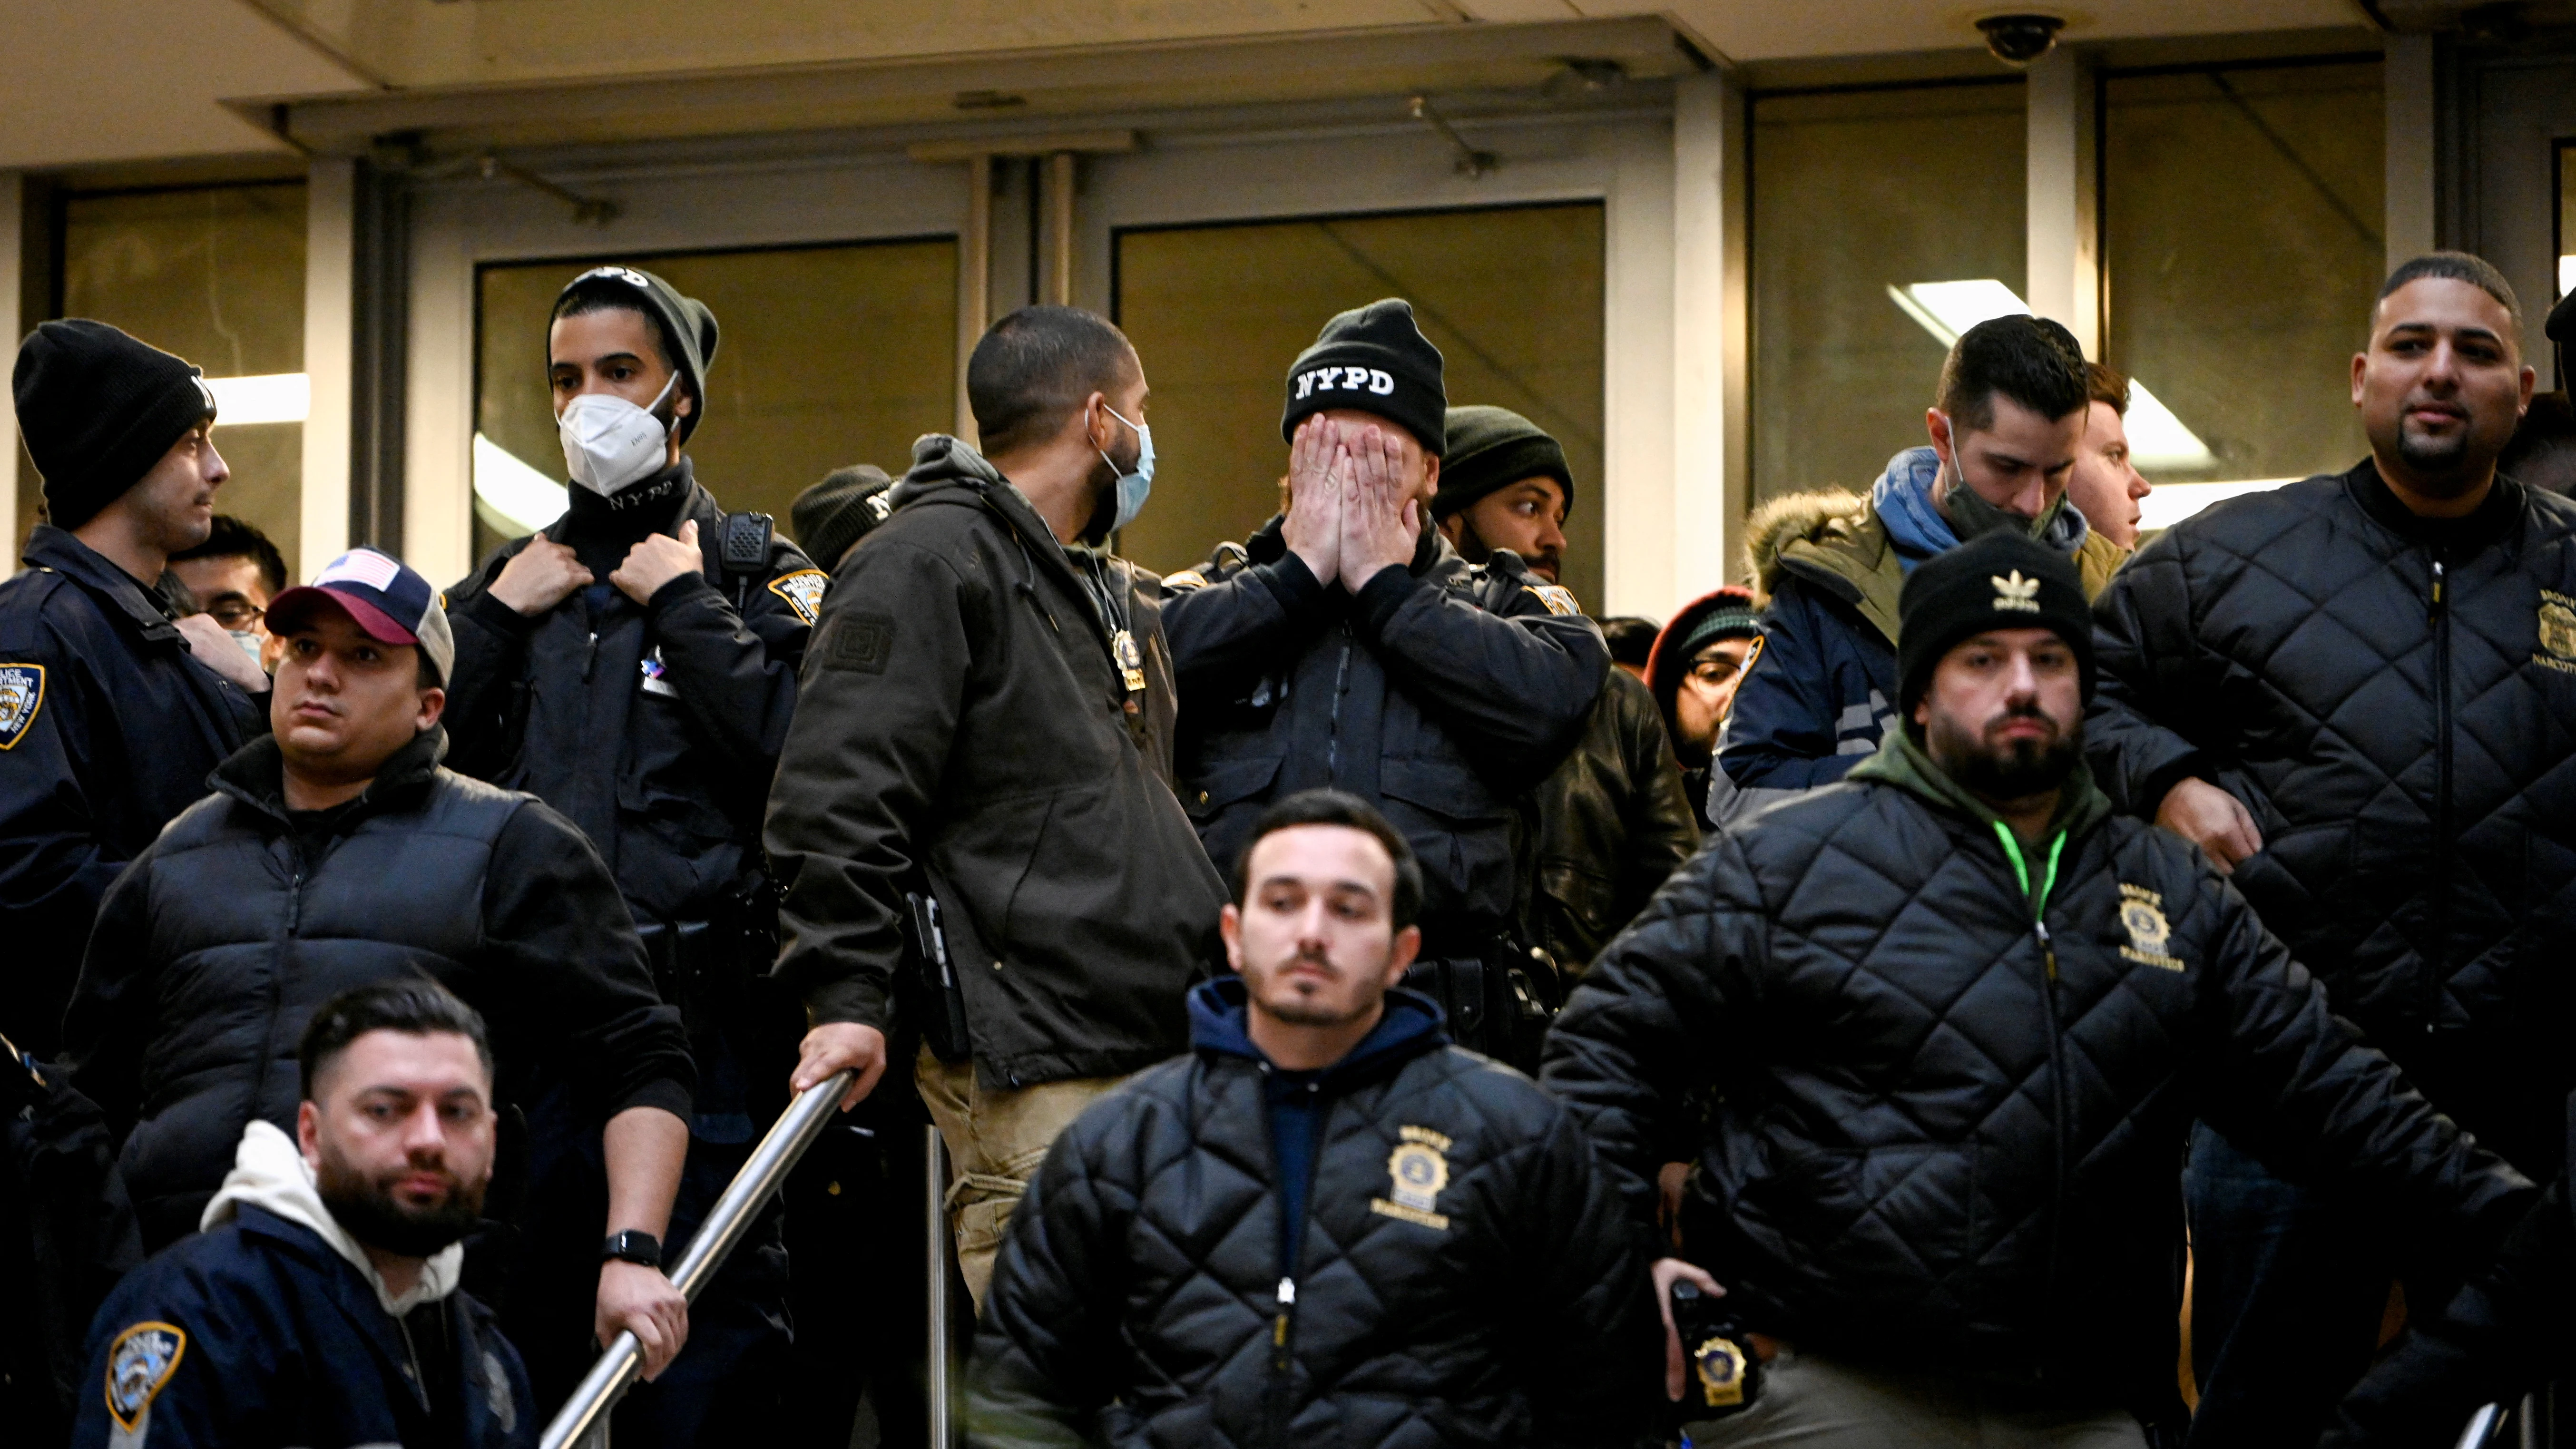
(686, 321)
(839, 511)
(1725, 612)
(1492, 448)
(1993, 581)
(98, 409)
(1375, 359)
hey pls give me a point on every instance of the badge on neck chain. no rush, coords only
(1131, 663)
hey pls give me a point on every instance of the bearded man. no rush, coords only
(320, 1305)
(1954, 1016)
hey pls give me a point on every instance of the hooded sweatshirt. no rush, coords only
(270, 1172)
(1294, 1102)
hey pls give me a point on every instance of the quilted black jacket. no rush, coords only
(1463, 1276)
(2394, 699)
(1951, 1112)
(2507, 1333)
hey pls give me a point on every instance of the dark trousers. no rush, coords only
(2289, 1284)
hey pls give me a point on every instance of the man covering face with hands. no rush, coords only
(1346, 644)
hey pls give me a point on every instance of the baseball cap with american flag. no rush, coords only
(386, 600)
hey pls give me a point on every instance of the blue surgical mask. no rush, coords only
(1136, 483)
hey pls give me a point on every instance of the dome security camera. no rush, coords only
(2017, 40)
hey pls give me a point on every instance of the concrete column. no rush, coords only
(1711, 429)
(13, 216)
(2408, 83)
(330, 358)
(1055, 266)
(2064, 180)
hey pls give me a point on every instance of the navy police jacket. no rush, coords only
(1445, 1266)
(256, 1335)
(1441, 693)
(108, 728)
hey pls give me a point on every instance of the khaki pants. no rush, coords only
(1817, 1403)
(996, 1139)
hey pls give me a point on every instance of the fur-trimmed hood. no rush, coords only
(1827, 515)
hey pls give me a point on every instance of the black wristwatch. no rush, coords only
(633, 1247)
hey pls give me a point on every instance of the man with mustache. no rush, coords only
(1326, 1224)
(2358, 694)
(320, 1305)
(1952, 1019)
(336, 852)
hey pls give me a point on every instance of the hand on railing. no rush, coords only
(759, 1180)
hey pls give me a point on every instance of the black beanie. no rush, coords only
(98, 409)
(1374, 359)
(1993, 581)
(686, 321)
(837, 512)
(1492, 448)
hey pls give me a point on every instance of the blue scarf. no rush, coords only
(1903, 498)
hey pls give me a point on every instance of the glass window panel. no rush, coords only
(1856, 193)
(216, 275)
(2566, 232)
(2242, 233)
(829, 355)
(1511, 296)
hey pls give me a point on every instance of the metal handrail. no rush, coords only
(2482, 1427)
(935, 1174)
(793, 1132)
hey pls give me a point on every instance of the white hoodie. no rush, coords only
(269, 1172)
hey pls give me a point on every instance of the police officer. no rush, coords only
(634, 666)
(1346, 644)
(113, 708)
(321, 1304)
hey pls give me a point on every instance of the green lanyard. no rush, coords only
(2012, 852)
(2039, 906)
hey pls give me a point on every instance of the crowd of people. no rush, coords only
(1364, 998)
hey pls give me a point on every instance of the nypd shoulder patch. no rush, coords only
(139, 1365)
(22, 693)
(1559, 599)
(803, 591)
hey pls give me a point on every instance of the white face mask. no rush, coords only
(609, 442)
(250, 640)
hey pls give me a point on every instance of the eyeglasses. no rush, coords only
(1712, 671)
(237, 614)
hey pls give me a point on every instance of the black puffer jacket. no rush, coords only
(2395, 701)
(1440, 693)
(216, 945)
(2507, 1333)
(1495, 1301)
(1951, 1111)
(1613, 820)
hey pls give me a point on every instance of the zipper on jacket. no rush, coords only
(1341, 687)
(2048, 1005)
(1283, 1321)
(2437, 956)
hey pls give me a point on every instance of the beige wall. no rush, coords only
(829, 355)
(1511, 297)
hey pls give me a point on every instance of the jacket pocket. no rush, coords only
(1886, 1225)
(1461, 831)
(1217, 784)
